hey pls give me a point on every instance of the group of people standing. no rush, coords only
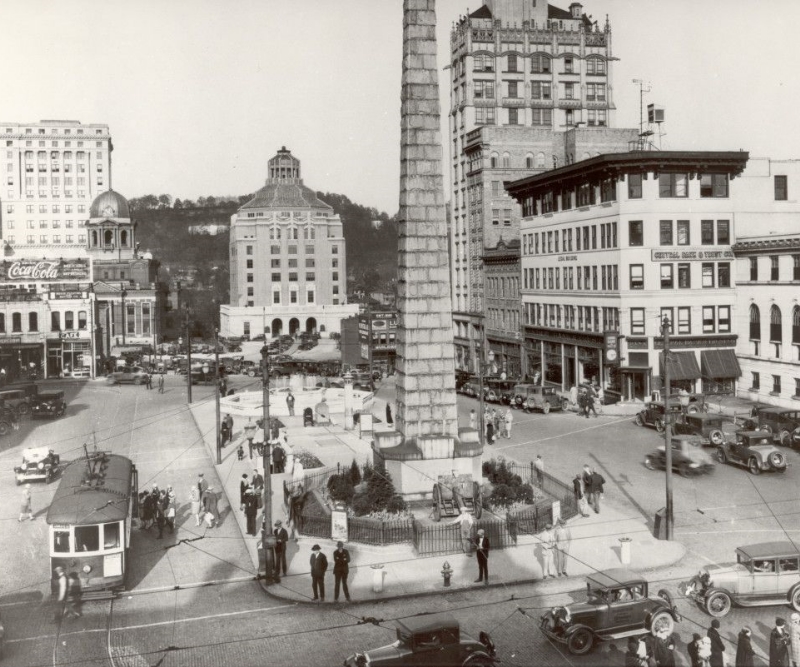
(341, 569)
(586, 396)
(587, 487)
(159, 508)
(496, 423)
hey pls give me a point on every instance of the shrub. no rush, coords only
(395, 505)
(355, 473)
(503, 495)
(307, 459)
(524, 493)
(377, 492)
(340, 488)
(368, 471)
(362, 505)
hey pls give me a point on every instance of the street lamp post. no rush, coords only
(267, 538)
(481, 407)
(665, 327)
(216, 381)
(188, 359)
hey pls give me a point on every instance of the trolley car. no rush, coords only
(90, 520)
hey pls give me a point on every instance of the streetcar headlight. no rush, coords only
(87, 569)
(40, 465)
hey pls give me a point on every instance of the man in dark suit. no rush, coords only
(319, 566)
(779, 645)
(482, 550)
(281, 538)
(341, 568)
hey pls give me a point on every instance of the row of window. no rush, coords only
(502, 319)
(774, 268)
(54, 130)
(587, 278)
(55, 321)
(540, 90)
(539, 117)
(679, 232)
(540, 63)
(44, 239)
(755, 384)
(586, 238)
(275, 263)
(55, 180)
(41, 156)
(713, 274)
(775, 324)
(500, 287)
(55, 193)
(577, 318)
(56, 208)
(43, 224)
(54, 144)
(714, 319)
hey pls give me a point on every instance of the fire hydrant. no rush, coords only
(447, 572)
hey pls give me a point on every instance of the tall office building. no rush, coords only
(531, 89)
(288, 271)
(53, 171)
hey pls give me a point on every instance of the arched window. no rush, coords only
(506, 160)
(755, 323)
(775, 324)
(493, 160)
(94, 238)
(33, 321)
(540, 160)
(529, 161)
(123, 238)
(796, 325)
(108, 238)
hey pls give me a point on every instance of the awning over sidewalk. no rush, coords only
(682, 366)
(719, 364)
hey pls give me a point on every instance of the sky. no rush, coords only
(199, 95)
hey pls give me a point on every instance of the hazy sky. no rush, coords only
(200, 94)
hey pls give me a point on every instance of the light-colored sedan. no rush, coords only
(129, 374)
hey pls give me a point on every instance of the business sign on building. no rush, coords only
(44, 270)
(611, 347)
(691, 255)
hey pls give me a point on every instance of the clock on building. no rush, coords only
(108, 211)
(611, 355)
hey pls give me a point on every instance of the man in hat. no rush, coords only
(548, 543)
(779, 645)
(290, 403)
(251, 511)
(467, 522)
(202, 483)
(319, 566)
(482, 550)
(563, 539)
(281, 538)
(61, 593)
(341, 568)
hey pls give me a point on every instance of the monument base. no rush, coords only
(416, 463)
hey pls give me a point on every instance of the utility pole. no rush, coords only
(268, 539)
(188, 359)
(216, 381)
(665, 327)
(369, 341)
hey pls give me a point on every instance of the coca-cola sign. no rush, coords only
(44, 270)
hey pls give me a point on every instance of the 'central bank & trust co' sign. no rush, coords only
(691, 255)
(44, 270)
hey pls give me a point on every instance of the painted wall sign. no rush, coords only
(690, 255)
(44, 270)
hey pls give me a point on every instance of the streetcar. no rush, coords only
(90, 519)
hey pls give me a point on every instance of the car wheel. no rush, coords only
(649, 463)
(662, 624)
(659, 425)
(137, 380)
(716, 438)
(580, 642)
(546, 408)
(24, 409)
(518, 401)
(718, 603)
(752, 466)
(5, 428)
(478, 660)
(638, 420)
(60, 412)
(251, 374)
(564, 405)
(776, 460)
(785, 438)
(796, 599)
(721, 457)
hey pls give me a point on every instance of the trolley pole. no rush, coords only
(665, 326)
(188, 359)
(216, 381)
(268, 539)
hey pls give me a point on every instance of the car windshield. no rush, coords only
(743, 560)
(760, 441)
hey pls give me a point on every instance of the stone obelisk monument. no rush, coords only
(426, 441)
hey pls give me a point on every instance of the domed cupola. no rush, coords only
(110, 205)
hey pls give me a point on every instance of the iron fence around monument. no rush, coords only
(368, 530)
(445, 538)
(552, 487)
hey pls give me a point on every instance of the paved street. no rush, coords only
(235, 623)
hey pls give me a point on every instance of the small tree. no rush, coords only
(355, 473)
(341, 488)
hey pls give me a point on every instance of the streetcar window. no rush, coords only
(87, 538)
(111, 536)
(61, 541)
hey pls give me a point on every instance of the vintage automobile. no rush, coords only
(434, 639)
(128, 374)
(617, 605)
(500, 391)
(37, 463)
(530, 397)
(688, 457)
(712, 429)
(9, 419)
(19, 396)
(767, 573)
(472, 388)
(782, 423)
(653, 413)
(753, 450)
(49, 404)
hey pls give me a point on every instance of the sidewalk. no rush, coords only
(398, 570)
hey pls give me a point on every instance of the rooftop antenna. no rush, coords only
(644, 87)
(655, 119)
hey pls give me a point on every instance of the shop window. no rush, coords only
(82, 319)
(16, 322)
(33, 321)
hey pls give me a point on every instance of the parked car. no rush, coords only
(251, 368)
(712, 429)
(753, 450)
(617, 606)
(37, 463)
(767, 573)
(472, 388)
(434, 639)
(9, 419)
(19, 397)
(462, 377)
(545, 399)
(782, 423)
(49, 404)
(128, 374)
(688, 457)
(500, 391)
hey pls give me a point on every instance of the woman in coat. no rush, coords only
(744, 649)
(794, 638)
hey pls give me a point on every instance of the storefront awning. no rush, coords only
(718, 364)
(682, 366)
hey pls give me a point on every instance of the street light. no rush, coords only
(216, 382)
(267, 538)
(481, 420)
(665, 328)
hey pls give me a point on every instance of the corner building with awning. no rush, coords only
(611, 247)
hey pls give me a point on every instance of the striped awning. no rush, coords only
(718, 364)
(682, 366)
